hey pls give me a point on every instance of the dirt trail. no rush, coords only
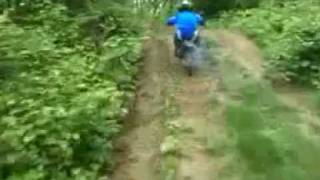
(139, 156)
(138, 149)
(192, 96)
(241, 50)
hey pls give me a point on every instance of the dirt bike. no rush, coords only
(188, 54)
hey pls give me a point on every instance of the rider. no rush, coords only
(186, 22)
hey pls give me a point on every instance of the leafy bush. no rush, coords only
(288, 34)
(60, 100)
(217, 6)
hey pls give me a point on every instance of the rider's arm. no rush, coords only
(200, 20)
(172, 21)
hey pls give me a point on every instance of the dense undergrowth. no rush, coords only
(65, 82)
(288, 34)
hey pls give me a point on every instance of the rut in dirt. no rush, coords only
(196, 162)
(138, 153)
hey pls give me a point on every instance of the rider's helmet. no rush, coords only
(185, 6)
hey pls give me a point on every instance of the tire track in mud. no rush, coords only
(137, 150)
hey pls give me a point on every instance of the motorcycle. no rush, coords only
(188, 54)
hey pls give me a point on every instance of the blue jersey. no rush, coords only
(186, 23)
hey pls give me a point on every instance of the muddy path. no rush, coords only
(139, 155)
(194, 101)
(196, 162)
(137, 150)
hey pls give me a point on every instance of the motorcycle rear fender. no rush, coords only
(194, 37)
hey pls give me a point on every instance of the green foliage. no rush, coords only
(218, 6)
(289, 36)
(61, 97)
(215, 7)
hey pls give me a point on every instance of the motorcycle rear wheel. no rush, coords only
(189, 70)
